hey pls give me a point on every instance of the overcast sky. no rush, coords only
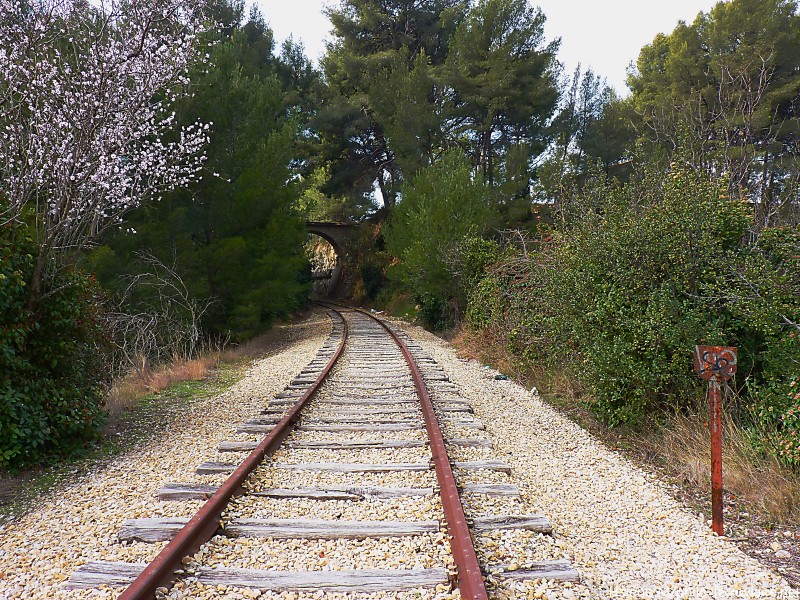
(605, 35)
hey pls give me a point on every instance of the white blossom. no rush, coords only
(87, 130)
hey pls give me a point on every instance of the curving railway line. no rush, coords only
(369, 450)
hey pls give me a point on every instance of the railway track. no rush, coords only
(352, 480)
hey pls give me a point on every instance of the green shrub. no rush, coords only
(486, 307)
(373, 278)
(773, 300)
(776, 415)
(443, 207)
(636, 276)
(53, 358)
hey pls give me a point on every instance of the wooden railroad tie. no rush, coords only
(381, 398)
(235, 446)
(160, 529)
(117, 574)
(97, 573)
(210, 468)
(202, 491)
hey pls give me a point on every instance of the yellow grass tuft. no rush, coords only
(128, 390)
(684, 445)
(681, 444)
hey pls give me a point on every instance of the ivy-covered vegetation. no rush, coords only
(54, 357)
(689, 236)
(635, 277)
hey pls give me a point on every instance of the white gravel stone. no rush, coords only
(78, 522)
(618, 525)
(417, 552)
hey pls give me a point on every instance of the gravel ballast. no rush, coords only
(78, 523)
(617, 524)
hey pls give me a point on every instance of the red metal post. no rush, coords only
(715, 426)
(715, 364)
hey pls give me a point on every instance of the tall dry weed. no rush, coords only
(683, 445)
(128, 390)
(488, 349)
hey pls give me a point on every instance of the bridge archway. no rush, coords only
(340, 236)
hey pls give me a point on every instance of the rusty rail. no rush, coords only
(205, 522)
(470, 578)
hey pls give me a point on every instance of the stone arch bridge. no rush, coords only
(341, 236)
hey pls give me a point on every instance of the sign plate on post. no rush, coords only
(715, 364)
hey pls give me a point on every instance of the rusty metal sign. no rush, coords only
(716, 363)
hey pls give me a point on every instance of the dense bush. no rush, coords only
(776, 415)
(442, 208)
(53, 353)
(775, 391)
(233, 237)
(636, 276)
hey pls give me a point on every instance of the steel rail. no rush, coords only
(470, 579)
(202, 526)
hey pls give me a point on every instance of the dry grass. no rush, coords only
(252, 348)
(147, 380)
(488, 349)
(683, 446)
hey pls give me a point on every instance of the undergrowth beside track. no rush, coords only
(762, 496)
(140, 407)
(133, 426)
(676, 444)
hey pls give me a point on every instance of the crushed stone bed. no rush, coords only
(78, 522)
(618, 525)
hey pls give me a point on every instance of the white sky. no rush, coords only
(604, 34)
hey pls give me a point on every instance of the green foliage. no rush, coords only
(639, 274)
(374, 280)
(475, 254)
(486, 307)
(53, 354)
(775, 407)
(638, 290)
(442, 207)
(235, 237)
(724, 89)
(593, 137)
(403, 107)
(381, 120)
(406, 81)
(773, 291)
(501, 82)
(318, 206)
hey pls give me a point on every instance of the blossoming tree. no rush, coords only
(87, 131)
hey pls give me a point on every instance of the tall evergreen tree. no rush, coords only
(234, 237)
(380, 117)
(592, 136)
(407, 80)
(501, 86)
(727, 90)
